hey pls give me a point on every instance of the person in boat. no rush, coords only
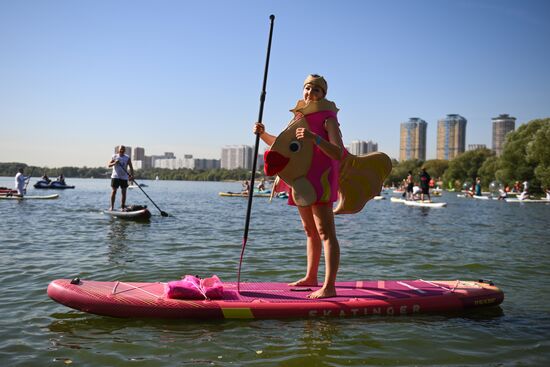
(46, 179)
(502, 193)
(20, 181)
(261, 185)
(410, 184)
(416, 192)
(425, 184)
(318, 218)
(524, 195)
(478, 187)
(246, 188)
(123, 171)
(61, 179)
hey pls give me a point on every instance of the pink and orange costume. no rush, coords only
(315, 178)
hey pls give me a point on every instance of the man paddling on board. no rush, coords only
(119, 178)
(20, 181)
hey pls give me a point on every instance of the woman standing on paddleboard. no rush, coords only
(318, 218)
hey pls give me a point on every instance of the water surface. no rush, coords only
(42, 240)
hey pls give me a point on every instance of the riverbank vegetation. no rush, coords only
(526, 157)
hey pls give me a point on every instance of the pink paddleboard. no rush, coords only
(277, 300)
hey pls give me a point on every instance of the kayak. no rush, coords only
(6, 190)
(138, 214)
(276, 300)
(242, 194)
(427, 204)
(29, 197)
(516, 200)
(52, 185)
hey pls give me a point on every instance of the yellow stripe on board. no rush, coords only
(237, 313)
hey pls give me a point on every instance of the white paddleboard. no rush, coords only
(515, 200)
(29, 197)
(397, 200)
(426, 204)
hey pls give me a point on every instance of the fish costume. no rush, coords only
(315, 178)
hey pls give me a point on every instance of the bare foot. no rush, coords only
(304, 282)
(323, 293)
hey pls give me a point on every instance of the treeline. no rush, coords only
(10, 169)
(526, 157)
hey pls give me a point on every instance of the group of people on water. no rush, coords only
(522, 190)
(60, 179)
(422, 191)
(246, 186)
(22, 181)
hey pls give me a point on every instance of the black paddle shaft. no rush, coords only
(255, 159)
(164, 214)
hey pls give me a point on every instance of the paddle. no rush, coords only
(163, 213)
(28, 180)
(251, 193)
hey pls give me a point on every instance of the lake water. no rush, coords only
(42, 240)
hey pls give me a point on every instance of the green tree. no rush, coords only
(400, 170)
(436, 167)
(526, 155)
(466, 167)
(487, 171)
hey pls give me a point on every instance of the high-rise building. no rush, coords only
(139, 154)
(360, 147)
(237, 157)
(451, 136)
(502, 125)
(205, 164)
(413, 139)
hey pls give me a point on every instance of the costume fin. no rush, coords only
(360, 180)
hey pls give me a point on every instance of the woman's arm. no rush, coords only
(333, 147)
(259, 128)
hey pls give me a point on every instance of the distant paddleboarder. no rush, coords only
(120, 163)
(20, 181)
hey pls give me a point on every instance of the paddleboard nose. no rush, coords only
(274, 162)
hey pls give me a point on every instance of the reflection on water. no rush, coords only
(119, 244)
(117, 241)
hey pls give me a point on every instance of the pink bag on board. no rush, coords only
(192, 287)
(213, 287)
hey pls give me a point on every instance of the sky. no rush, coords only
(78, 78)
